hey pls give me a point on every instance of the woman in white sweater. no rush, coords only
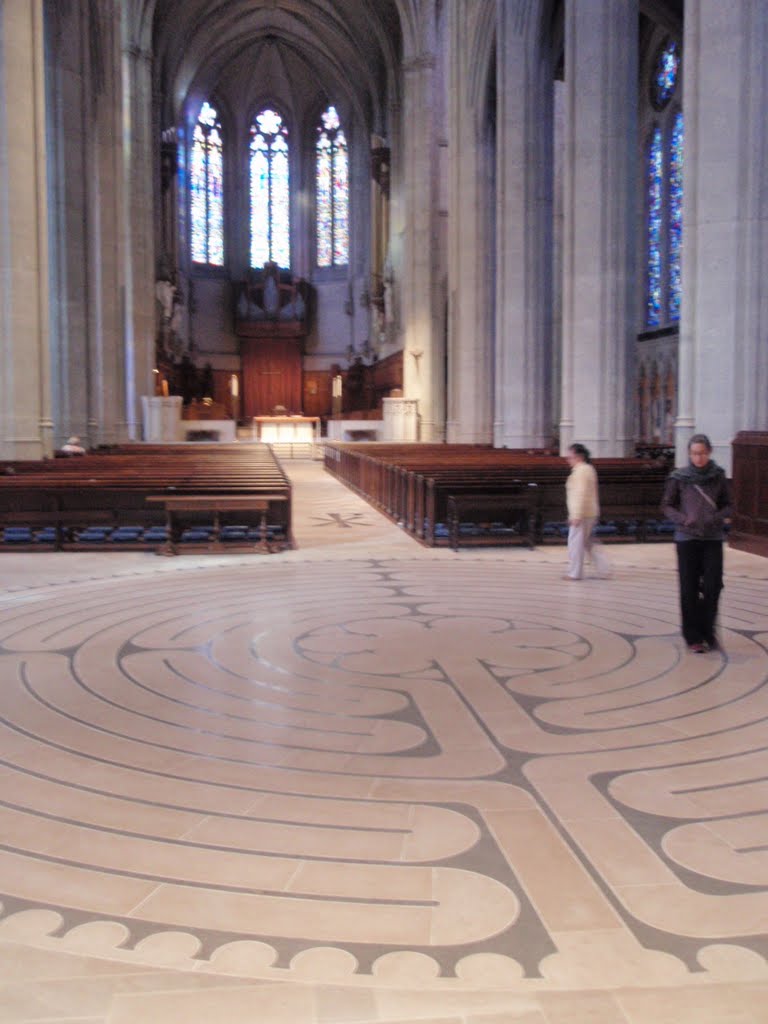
(583, 512)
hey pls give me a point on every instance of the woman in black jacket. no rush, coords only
(697, 501)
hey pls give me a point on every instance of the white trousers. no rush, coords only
(582, 543)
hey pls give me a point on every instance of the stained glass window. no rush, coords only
(332, 191)
(654, 192)
(665, 74)
(207, 190)
(270, 191)
(675, 214)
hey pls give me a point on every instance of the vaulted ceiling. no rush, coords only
(348, 48)
(338, 48)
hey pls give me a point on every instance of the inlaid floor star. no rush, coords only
(344, 520)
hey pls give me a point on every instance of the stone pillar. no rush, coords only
(523, 353)
(109, 400)
(423, 357)
(85, 89)
(600, 185)
(723, 357)
(138, 294)
(25, 401)
(471, 225)
(69, 177)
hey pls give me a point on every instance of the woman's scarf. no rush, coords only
(698, 474)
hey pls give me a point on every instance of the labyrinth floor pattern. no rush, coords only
(382, 790)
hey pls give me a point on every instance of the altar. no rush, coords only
(286, 429)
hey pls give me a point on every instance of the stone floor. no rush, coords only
(364, 781)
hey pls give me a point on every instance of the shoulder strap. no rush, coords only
(705, 496)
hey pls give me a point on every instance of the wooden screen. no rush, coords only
(749, 531)
(271, 375)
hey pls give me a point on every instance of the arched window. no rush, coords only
(270, 190)
(675, 214)
(207, 190)
(655, 211)
(332, 191)
(664, 191)
(664, 80)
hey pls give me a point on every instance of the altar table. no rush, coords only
(286, 429)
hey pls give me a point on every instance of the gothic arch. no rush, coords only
(354, 48)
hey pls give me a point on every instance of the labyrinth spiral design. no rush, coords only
(422, 772)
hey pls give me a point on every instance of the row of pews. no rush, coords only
(207, 496)
(472, 494)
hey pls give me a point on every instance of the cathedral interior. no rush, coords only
(235, 785)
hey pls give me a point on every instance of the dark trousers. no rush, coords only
(700, 567)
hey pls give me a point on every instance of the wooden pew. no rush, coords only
(413, 483)
(515, 509)
(176, 505)
(112, 488)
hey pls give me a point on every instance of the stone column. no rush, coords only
(109, 399)
(723, 357)
(69, 173)
(25, 401)
(86, 223)
(138, 296)
(600, 182)
(523, 356)
(423, 345)
(471, 225)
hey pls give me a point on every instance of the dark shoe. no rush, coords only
(698, 648)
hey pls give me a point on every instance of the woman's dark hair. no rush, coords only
(700, 439)
(582, 450)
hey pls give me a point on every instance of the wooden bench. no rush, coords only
(515, 509)
(177, 504)
(413, 483)
(111, 489)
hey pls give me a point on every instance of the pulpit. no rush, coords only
(401, 419)
(161, 417)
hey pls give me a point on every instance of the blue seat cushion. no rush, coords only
(126, 534)
(606, 529)
(197, 533)
(233, 532)
(17, 535)
(94, 534)
(155, 533)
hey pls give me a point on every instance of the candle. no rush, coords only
(234, 385)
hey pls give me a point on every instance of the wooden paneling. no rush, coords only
(387, 374)
(271, 375)
(317, 392)
(750, 492)
(365, 386)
